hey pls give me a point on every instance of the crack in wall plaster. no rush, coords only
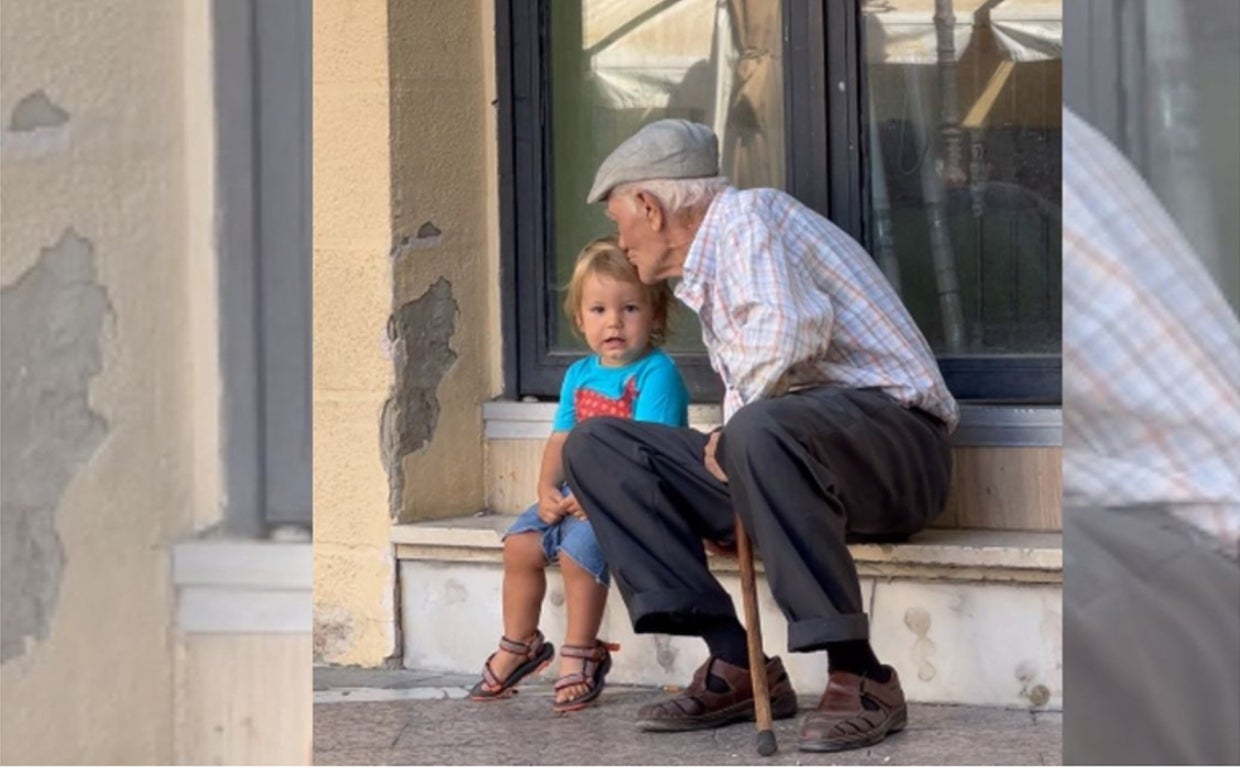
(420, 331)
(36, 111)
(51, 321)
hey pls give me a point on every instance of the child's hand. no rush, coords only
(571, 507)
(551, 507)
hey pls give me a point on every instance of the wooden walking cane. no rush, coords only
(753, 638)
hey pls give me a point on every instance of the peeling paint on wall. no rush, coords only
(455, 593)
(36, 127)
(1027, 675)
(36, 111)
(51, 321)
(420, 332)
(428, 236)
(333, 633)
(917, 619)
(665, 654)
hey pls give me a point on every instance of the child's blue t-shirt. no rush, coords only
(648, 389)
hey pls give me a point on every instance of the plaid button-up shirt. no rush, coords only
(1151, 352)
(788, 300)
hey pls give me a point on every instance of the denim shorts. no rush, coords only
(570, 536)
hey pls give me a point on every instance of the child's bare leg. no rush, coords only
(525, 582)
(584, 601)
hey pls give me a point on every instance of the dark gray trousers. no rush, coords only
(1151, 640)
(806, 471)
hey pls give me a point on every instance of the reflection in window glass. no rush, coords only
(619, 64)
(1181, 122)
(963, 123)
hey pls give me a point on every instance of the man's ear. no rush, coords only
(651, 209)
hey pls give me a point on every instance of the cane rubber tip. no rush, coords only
(766, 743)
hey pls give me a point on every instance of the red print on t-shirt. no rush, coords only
(589, 403)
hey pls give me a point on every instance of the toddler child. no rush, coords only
(624, 322)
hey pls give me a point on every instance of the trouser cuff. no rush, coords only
(678, 613)
(814, 634)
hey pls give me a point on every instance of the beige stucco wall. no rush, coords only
(441, 176)
(107, 161)
(404, 232)
(202, 302)
(354, 569)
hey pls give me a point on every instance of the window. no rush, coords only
(942, 159)
(1161, 86)
(961, 117)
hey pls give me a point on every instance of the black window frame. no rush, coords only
(823, 88)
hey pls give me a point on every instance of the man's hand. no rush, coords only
(712, 466)
(551, 508)
(725, 548)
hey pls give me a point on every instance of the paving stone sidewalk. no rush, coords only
(402, 717)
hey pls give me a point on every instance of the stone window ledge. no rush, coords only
(243, 587)
(1011, 426)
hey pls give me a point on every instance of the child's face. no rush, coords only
(615, 317)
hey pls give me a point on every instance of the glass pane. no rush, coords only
(618, 64)
(963, 123)
(1181, 125)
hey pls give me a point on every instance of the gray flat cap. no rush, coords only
(664, 149)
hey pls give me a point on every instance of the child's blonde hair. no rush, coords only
(603, 256)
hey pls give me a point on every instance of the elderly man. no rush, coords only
(836, 423)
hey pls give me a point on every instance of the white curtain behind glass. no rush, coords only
(721, 59)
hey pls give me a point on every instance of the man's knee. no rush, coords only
(588, 435)
(748, 429)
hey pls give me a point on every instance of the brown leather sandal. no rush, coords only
(855, 711)
(595, 664)
(538, 655)
(697, 707)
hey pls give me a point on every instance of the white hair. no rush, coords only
(676, 195)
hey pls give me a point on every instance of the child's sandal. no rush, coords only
(538, 655)
(595, 664)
